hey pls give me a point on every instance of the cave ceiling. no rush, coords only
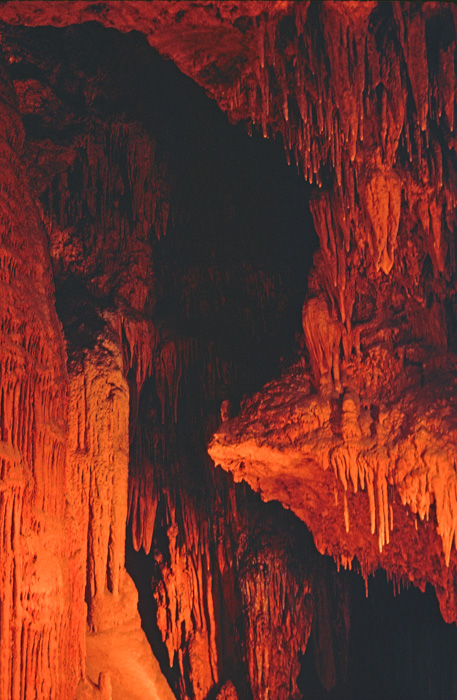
(364, 100)
(358, 435)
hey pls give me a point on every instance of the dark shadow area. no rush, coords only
(399, 647)
(232, 268)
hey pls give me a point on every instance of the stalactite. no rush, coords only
(323, 337)
(371, 453)
(267, 593)
(184, 596)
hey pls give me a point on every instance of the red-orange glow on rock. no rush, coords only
(104, 413)
(389, 208)
(42, 604)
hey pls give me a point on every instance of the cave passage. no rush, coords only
(176, 250)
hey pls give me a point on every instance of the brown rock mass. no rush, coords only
(154, 263)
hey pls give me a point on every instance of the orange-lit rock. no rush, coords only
(41, 606)
(98, 428)
(105, 414)
(374, 323)
(109, 198)
(349, 474)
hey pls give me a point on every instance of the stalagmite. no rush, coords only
(99, 423)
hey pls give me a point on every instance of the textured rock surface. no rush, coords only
(41, 643)
(167, 314)
(151, 324)
(377, 412)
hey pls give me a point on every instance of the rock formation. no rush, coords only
(154, 273)
(375, 414)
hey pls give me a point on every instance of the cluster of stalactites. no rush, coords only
(185, 599)
(262, 590)
(421, 468)
(363, 95)
(350, 71)
(362, 461)
(278, 608)
(104, 208)
(158, 361)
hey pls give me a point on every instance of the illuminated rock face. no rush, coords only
(107, 406)
(376, 413)
(42, 604)
(156, 328)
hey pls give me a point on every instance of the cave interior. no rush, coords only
(228, 322)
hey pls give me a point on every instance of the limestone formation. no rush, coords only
(153, 273)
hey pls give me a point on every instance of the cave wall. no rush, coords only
(42, 603)
(162, 323)
(167, 311)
